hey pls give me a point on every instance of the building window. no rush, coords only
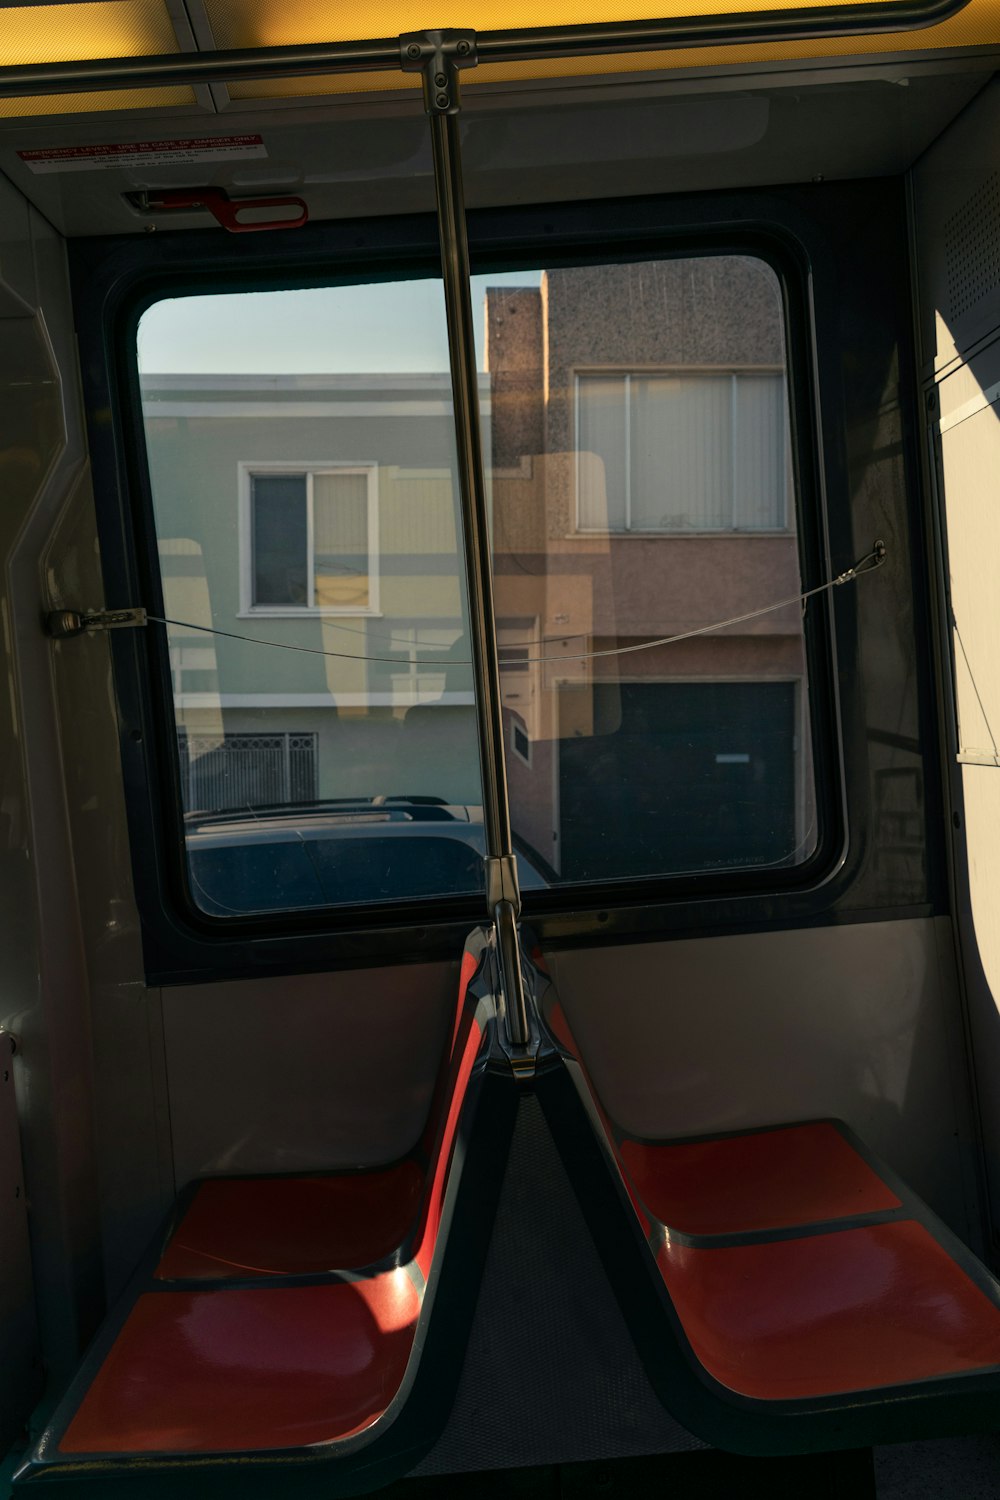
(518, 648)
(416, 680)
(310, 539)
(683, 451)
(519, 742)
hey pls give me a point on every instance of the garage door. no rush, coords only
(685, 776)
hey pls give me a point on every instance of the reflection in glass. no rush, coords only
(317, 511)
(641, 489)
(280, 539)
(340, 541)
(635, 422)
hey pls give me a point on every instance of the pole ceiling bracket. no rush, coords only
(438, 56)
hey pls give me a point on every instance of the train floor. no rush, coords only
(958, 1469)
(952, 1469)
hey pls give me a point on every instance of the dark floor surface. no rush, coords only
(953, 1469)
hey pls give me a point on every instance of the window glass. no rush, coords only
(636, 431)
(682, 452)
(603, 470)
(301, 458)
(640, 458)
(340, 541)
(280, 538)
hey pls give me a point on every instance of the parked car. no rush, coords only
(285, 857)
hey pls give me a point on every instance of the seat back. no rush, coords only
(470, 1041)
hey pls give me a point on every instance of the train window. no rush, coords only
(301, 462)
(643, 497)
(644, 522)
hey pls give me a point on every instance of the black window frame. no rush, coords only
(116, 279)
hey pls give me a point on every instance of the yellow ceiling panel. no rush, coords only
(135, 28)
(338, 83)
(80, 104)
(276, 23)
(978, 25)
(68, 33)
(269, 23)
(72, 33)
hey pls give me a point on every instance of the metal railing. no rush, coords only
(523, 44)
(246, 770)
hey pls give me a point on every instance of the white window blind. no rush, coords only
(682, 452)
(340, 540)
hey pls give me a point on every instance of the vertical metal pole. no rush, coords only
(464, 379)
(438, 56)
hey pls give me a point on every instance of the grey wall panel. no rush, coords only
(860, 1022)
(45, 993)
(561, 140)
(20, 1367)
(957, 209)
(312, 1071)
(135, 1181)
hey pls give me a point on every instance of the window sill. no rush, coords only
(305, 613)
(676, 536)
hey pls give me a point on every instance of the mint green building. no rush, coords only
(319, 513)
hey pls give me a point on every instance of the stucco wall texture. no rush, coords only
(597, 591)
(712, 313)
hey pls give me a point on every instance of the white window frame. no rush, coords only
(521, 681)
(410, 685)
(309, 469)
(625, 375)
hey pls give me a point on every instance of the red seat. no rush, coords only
(273, 1226)
(245, 1369)
(288, 1315)
(826, 1314)
(793, 1295)
(767, 1179)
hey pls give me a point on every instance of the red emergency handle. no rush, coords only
(226, 210)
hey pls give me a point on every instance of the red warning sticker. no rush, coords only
(210, 148)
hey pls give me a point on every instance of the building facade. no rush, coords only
(636, 433)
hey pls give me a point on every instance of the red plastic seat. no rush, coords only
(767, 1179)
(245, 1369)
(793, 1295)
(828, 1314)
(275, 1226)
(287, 1316)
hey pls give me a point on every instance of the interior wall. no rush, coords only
(307, 1073)
(674, 131)
(956, 227)
(44, 998)
(131, 1115)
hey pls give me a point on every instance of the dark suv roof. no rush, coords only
(336, 853)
